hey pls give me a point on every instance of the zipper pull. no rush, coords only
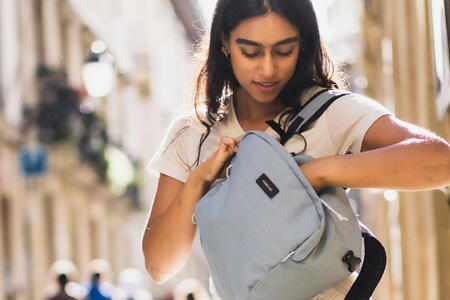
(287, 257)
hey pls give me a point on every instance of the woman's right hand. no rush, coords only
(215, 164)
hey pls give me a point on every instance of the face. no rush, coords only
(264, 52)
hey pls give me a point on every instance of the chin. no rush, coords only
(265, 98)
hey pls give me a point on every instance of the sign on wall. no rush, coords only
(33, 161)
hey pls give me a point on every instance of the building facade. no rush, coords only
(69, 212)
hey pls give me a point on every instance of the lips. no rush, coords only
(267, 86)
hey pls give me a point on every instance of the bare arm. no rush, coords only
(169, 234)
(395, 155)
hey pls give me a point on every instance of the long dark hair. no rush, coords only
(215, 79)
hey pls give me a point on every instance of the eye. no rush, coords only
(250, 54)
(281, 53)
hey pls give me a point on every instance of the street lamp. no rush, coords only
(98, 71)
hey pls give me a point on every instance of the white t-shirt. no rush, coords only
(340, 129)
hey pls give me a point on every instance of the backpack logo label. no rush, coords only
(267, 186)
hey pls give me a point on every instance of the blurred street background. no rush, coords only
(87, 90)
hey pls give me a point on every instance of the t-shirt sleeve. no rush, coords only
(171, 158)
(348, 120)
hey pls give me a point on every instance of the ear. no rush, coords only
(225, 41)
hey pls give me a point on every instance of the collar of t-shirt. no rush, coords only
(235, 128)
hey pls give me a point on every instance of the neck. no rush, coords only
(249, 110)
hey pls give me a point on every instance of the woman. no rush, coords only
(264, 60)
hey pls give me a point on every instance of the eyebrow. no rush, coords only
(252, 43)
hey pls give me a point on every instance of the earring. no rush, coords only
(225, 52)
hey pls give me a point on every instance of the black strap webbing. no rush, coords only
(371, 271)
(307, 113)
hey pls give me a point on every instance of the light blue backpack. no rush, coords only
(267, 234)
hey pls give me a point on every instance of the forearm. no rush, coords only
(167, 242)
(409, 165)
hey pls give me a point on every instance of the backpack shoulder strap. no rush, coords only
(308, 113)
(372, 268)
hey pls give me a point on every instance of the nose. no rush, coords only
(268, 67)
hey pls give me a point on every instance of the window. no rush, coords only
(49, 228)
(1, 66)
(447, 20)
(440, 14)
(5, 235)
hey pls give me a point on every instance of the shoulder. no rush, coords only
(354, 103)
(349, 118)
(185, 124)
(308, 93)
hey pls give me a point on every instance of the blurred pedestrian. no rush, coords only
(98, 287)
(190, 289)
(62, 293)
(63, 287)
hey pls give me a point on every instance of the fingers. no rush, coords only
(228, 147)
(228, 144)
(238, 139)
